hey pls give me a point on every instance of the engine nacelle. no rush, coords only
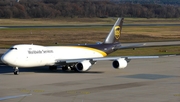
(119, 63)
(83, 66)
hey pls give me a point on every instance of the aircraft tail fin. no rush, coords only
(114, 34)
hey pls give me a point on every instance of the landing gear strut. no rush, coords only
(69, 68)
(65, 68)
(16, 71)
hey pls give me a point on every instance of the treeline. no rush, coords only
(164, 2)
(84, 8)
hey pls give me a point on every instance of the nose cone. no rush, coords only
(5, 59)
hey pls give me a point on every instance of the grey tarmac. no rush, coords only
(150, 80)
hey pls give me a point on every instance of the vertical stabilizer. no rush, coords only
(114, 34)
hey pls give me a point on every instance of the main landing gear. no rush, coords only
(64, 68)
(16, 71)
(69, 68)
(53, 68)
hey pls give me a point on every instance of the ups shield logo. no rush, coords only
(117, 32)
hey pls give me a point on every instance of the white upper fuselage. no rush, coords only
(34, 55)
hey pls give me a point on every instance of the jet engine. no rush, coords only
(119, 63)
(83, 66)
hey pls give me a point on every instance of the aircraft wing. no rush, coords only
(128, 58)
(128, 46)
(84, 64)
(148, 44)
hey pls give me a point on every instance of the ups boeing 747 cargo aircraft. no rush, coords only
(77, 57)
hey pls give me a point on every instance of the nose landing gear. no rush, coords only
(16, 71)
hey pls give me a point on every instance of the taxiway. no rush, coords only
(151, 80)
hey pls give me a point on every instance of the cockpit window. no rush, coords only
(13, 48)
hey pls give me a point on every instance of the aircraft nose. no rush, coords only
(5, 59)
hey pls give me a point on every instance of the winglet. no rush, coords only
(114, 34)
